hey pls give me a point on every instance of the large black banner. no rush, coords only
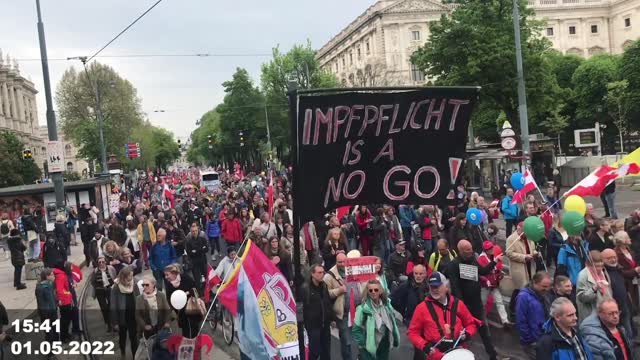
(391, 146)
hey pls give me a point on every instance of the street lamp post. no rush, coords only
(522, 96)
(96, 88)
(58, 181)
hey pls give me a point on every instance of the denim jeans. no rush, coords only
(344, 332)
(611, 204)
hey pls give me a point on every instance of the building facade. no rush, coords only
(73, 162)
(18, 111)
(375, 49)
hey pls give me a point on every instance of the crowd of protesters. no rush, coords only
(437, 273)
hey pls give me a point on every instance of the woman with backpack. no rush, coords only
(17, 248)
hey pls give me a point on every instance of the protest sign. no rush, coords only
(360, 269)
(391, 146)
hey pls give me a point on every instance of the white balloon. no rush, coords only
(178, 299)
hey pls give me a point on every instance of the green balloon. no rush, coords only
(573, 222)
(534, 228)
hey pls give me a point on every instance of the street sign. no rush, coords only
(55, 156)
(132, 150)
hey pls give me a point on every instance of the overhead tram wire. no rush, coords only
(125, 30)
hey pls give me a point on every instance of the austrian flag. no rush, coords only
(529, 185)
(594, 183)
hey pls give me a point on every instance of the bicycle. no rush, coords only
(219, 314)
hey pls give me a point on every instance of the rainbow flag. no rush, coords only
(259, 295)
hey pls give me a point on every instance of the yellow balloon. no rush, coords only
(575, 203)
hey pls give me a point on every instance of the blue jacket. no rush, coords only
(161, 256)
(213, 229)
(530, 316)
(553, 347)
(602, 348)
(407, 215)
(570, 262)
(509, 211)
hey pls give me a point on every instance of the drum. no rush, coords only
(458, 354)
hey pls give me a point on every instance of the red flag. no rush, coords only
(529, 185)
(352, 307)
(168, 195)
(76, 273)
(270, 194)
(212, 280)
(594, 183)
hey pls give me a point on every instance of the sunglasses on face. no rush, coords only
(375, 290)
(145, 285)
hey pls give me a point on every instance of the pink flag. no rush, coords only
(529, 185)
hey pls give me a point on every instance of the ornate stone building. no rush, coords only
(375, 48)
(18, 111)
(74, 163)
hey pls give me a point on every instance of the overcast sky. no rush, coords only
(186, 87)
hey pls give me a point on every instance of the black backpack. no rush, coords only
(4, 228)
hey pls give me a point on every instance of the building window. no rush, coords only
(594, 29)
(549, 31)
(627, 22)
(572, 30)
(67, 150)
(368, 48)
(344, 63)
(415, 35)
(359, 53)
(416, 74)
(70, 166)
(350, 58)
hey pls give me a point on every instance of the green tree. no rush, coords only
(76, 103)
(475, 46)
(590, 82)
(301, 64)
(199, 152)
(619, 102)
(15, 169)
(630, 71)
(241, 111)
(158, 148)
(563, 66)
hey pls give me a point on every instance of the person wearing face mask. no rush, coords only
(439, 321)
(375, 329)
(618, 289)
(464, 273)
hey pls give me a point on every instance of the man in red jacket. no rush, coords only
(232, 229)
(439, 321)
(491, 283)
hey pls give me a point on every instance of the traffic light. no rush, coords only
(241, 135)
(179, 145)
(210, 140)
(26, 154)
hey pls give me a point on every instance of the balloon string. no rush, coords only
(548, 209)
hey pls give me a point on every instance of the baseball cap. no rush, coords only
(437, 279)
(487, 245)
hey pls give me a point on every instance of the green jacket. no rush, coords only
(364, 333)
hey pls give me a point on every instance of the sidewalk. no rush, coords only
(23, 302)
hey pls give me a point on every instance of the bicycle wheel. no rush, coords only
(227, 326)
(212, 319)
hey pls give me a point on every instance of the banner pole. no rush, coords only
(298, 280)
